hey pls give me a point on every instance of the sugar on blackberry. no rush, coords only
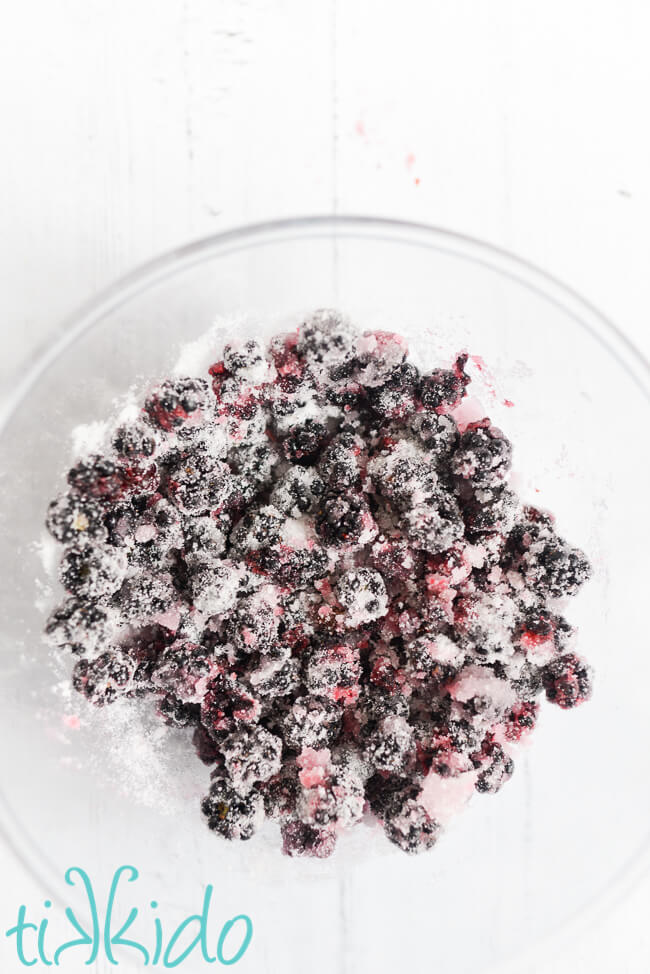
(390, 745)
(227, 706)
(91, 572)
(312, 721)
(554, 568)
(251, 756)
(280, 793)
(483, 455)
(326, 336)
(520, 720)
(496, 767)
(567, 681)
(78, 625)
(362, 593)
(75, 518)
(340, 519)
(407, 823)
(305, 560)
(297, 491)
(333, 670)
(303, 443)
(175, 402)
(232, 815)
(299, 839)
(244, 356)
(396, 398)
(100, 478)
(134, 441)
(106, 678)
(444, 388)
(339, 465)
(178, 713)
(275, 678)
(438, 432)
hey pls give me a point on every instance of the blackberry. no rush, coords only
(99, 478)
(553, 568)
(258, 529)
(405, 475)
(340, 518)
(297, 492)
(390, 745)
(280, 793)
(179, 667)
(434, 657)
(395, 398)
(206, 748)
(134, 442)
(395, 559)
(299, 839)
(91, 572)
(253, 626)
(102, 680)
(567, 681)
(74, 518)
(333, 671)
(376, 704)
(294, 567)
(197, 483)
(304, 442)
(216, 586)
(243, 356)
(227, 706)
(438, 433)
(497, 513)
(520, 720)
(204, 538)
(444, 388)
(254, 462)
(177, 713)
(497, 768)
(145, 595)
(339, 465)
(232, 815)
(362, 593)
(275, 678)
(250, 757)
(434, 528)
(174, 402)
(407, 824)
(78, 625)
(312, 721)
(483, 456)
(326, 335)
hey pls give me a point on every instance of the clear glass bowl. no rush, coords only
(569, 833)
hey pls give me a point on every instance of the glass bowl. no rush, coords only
(569, 833)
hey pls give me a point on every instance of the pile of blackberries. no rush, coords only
(305, 559)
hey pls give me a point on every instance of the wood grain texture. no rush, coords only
(131, 126)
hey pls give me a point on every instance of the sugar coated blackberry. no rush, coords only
(175, 402)
(74, 518)
(483, 456)
(232, 815)
(567, 681)
(311, 565)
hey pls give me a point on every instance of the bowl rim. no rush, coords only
(456, 244)
(337, 226)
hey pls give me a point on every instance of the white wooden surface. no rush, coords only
(130, 126)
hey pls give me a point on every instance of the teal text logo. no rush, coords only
(118, 931)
